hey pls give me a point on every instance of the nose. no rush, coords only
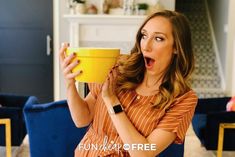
(147, 45)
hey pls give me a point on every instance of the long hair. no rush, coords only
(176, 78)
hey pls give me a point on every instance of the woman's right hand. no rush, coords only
(67, 63)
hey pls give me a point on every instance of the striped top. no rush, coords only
(102, 138)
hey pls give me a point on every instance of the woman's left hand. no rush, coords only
(108, 90)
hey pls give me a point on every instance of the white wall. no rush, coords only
(60, 35)
(233, 67)
(230, 67)
(223, 20)
(219, 16)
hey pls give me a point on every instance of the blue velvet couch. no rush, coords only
(12, 107)
(52, 132)
(209, 113)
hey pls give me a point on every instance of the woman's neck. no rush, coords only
(150, 85)
(152, 81)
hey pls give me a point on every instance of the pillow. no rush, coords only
(231, 104)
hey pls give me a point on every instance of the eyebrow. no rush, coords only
(144, 31)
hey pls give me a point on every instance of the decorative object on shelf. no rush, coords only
(80, 7)
(142, 8)
(155, 8)
(129, 7)
(71, 6)
(114, 5)
(116, 11)
(76, 6)
(105, 8)
(91, 9)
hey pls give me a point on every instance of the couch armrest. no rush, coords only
(212, 130)
(13, 108)
(221, 117)
(29, 107)
(51, 129)
(206, 105)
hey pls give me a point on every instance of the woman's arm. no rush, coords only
(158, 139)
(81, 110)
(140, 146)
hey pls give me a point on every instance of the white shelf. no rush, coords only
(108, 19)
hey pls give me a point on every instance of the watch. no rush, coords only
(116, 109)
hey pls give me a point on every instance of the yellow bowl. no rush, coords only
(95, 63)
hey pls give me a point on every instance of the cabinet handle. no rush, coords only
(48, 45)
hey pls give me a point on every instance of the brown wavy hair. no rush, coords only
(176, 78)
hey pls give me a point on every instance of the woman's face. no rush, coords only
(157, 44)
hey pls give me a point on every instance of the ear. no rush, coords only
(175, 51)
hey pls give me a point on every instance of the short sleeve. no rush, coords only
(95, 89)
(179, 116)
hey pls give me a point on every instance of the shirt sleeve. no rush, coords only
(95, 89)
(179, 116)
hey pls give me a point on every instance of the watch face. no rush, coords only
(117, 108)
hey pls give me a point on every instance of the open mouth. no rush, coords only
(149, 62)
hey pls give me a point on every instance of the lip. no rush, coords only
(149, 62)
(148, 67)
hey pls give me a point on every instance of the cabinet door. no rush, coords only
(25, 64)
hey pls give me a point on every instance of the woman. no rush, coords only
(146, 102)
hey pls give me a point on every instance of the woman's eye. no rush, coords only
(159, 39)
(144, 36)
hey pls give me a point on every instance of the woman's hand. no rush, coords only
(67, 65)
(108, 90)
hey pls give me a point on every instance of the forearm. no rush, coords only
(129, 134)
(78, 107)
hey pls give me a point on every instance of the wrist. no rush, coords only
(111, 101)
(115, 109)
(69, 84)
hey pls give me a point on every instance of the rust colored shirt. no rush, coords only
(102, 138)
